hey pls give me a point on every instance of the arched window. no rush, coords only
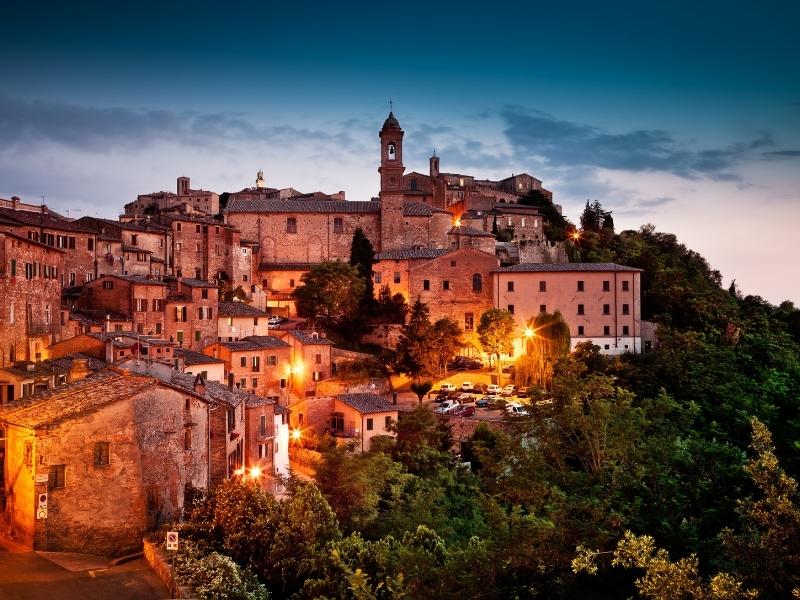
(392, 152)
(477, 282)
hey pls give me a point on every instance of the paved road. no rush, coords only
(28, 576)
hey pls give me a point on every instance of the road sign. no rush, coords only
(41, 506)
(172, 540)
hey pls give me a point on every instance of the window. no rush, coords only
(626, 309)
(177, 226)
(338, 225)
(452, 263)
(606, 309)
(397, 277)
(101, 457)
(243, 361)
(231, 414)
(318, 359)
(606, 286)
(197, 335)
(90, 243)
(187, 438)
(580, 309)
(387, 422)
(426, 284)
(158, 327)
(607, 346)
(511, 308)
(204, 294)
(197, 228)
(256, 364)
(158, 305)
(291, 283)
(13, 267)
(141, 304)
(469, 321)
(262, 425)
(543, 308)
(626, 286)
(283, 383)
(542, 286)
(272, 360)
(625, 330)
(606, 330)
(377, 276)
(140, 328)
(108, 284)
(477, 282)
(57, 477)
(510, 286)
(445, 285)
(580, 329)
(291, 225)
(370, 424)
(580, 286)
(254, 381)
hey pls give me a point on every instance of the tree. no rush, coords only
(415, 354)
(390, 308)
(547, 339)
(329, 294)
(420, 388)
(446, 340)
(362, 257)
(496, 333)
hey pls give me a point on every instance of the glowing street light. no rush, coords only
(297, 434)
(255, 472)
(576, 235)
(529, 333)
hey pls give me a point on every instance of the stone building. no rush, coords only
(114, 346)
(267, 440)
(453, 283)
(197, 363)
(113, 453)
(26, 378)
(40, 224)
(599, 301)
(259, 364)
(311, 359)
(201, 200)
(143, 299)
(30, 288)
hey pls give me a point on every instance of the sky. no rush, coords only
(685, 115)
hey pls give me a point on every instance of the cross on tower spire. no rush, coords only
(390, 105)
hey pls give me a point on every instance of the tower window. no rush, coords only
(477, 282)
(391, 152)
(338, 225)
(291, 225)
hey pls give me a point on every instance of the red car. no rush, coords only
(464, 411)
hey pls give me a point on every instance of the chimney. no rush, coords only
(79, 370)
(14, 202)
(230, 381)
(44, 209)
(199, 385)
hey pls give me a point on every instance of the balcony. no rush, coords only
(37, 327)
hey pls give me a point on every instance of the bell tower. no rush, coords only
(391, 193)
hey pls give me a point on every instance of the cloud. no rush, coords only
(93, 129)
(533, 133)
(777, 154)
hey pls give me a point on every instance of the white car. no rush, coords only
(493, 388)
(447, 387)
(274, 320)
(509, 390)
(516, 410)
(446, 407)
(466, 386)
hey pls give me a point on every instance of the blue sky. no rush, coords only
(683, 115)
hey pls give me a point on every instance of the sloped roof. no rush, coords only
(239, 309)
(419, 209)
(565, 268)
(195, 358)
(411, 253)
(309, 340)
(471, 231)
(215, 392)
(60, 404)
(255, 342)
(49, 220)
(243, 205)
(53, 366)
(367, 403)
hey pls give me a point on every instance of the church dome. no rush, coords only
(391, 121)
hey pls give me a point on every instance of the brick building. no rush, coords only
(190, 313)
(143, 299)
(237, 320)
(310, 359)
(26, 378)
(600, 301)
(30, 288)
(267, 439)
(259, 364)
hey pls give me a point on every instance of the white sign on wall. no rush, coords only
(172, 540)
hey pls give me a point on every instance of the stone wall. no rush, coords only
(542, 251)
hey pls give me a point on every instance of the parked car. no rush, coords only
(493, 388)
(516, 410)
(446, 407)
(509, 390)
(441, 396)
(467, 410)
(464, 397)
(464, 362)
(479, 388)
(447, 387)
(482, 402)
(466, 386)
(274, 320)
